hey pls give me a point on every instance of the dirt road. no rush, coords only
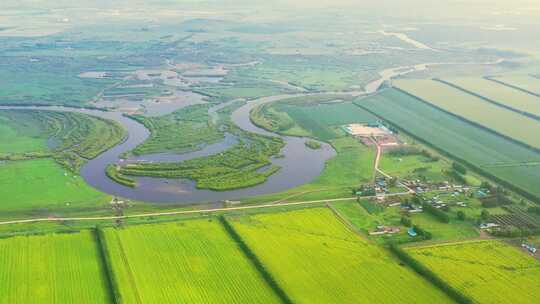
(107, 218)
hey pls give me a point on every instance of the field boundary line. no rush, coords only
(346, 222)
(491, 78)
(255, 261)
(489, 100)
(107, 265)
(475, 124)
(129, 270)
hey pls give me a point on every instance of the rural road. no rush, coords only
(106, 218)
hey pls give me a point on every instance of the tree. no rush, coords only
(459, 168)
(486, 185)
(461, 215)
(484, 215)
(405, 221)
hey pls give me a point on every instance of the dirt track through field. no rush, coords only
(170, 213)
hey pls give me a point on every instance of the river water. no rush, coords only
(299, 164)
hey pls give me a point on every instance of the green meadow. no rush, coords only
(42, 183)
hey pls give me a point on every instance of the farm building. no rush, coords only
(367, 130)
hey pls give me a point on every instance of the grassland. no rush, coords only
(502, 94)
(474, 109)
(52, 268)
(182, 131)
(486, 271)
(41, 156)
(192, 261)
(13, 142)
(318, 117)
(42, 183)
(315, 258)
(414, 167)
(487, 152)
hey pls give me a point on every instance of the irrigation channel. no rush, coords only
(299, 164)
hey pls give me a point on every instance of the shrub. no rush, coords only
(406, 221)
(459, 168)
(439, 214)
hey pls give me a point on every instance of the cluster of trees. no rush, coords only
(406, 221)
(422, 233)
(495, 200)
(459, 168)
(514, 232)
(438, 213)
(535, 210)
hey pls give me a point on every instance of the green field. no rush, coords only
(182, 131)
(193, 261)
(493, 117)
(486, 271)
(42, 154)
(352, 166)
(318, 117)
(527, 83)
(52, 268)
(490, 153)
(19, 136)
(413, 167)
(505, 95)
(42, 183)
(315, 258)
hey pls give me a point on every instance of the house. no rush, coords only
(411, 232)
(530, 248)
(381, 229)
(488, 225)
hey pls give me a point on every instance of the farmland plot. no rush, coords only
(490, 116)
(527, 83)
(315, 258)
(502, 94)
(53, 268)
(486, 271)
(493, 154)
(317, 119)
(186, 262)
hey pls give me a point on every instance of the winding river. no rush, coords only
(299, 164)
